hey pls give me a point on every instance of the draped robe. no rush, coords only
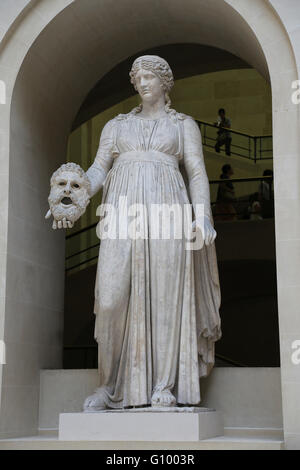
(156, 303)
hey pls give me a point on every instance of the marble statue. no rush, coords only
(156, 303)
(69, 195)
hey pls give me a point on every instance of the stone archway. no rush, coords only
(52, 55)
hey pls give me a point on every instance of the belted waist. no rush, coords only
(145, 156)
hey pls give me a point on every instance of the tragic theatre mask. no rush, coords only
(70, 192)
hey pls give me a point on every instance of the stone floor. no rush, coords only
(233, 440)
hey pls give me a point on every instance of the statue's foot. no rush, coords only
(163, 398)
(95, 402)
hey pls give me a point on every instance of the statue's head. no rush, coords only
(70, 192)
(155, 65)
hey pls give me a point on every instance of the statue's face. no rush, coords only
(68, 196)
(148, 85)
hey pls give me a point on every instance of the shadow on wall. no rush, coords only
(80, 347)
(249, 313)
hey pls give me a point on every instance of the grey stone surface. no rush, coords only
(142, 426)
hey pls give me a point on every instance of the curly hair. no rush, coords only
(159, 67)
(71, 167)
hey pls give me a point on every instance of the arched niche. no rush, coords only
(59, 51)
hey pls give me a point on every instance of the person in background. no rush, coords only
(265, 195)
(223, 123)
(255, 212)
(224, 209)
(265, 186)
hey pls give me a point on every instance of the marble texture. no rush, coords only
(141, 426)
(156, 301)
(160, 409)
(69, 195)
(230, 23)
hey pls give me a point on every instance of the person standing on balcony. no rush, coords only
(223, 123)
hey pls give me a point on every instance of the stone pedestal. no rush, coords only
(142, 424)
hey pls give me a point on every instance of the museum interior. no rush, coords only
(64, 73)
(207, 79)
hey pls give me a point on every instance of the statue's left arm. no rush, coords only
(198, 180)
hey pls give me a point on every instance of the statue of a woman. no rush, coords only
(156, 303)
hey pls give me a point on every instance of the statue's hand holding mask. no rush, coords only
(69, 195)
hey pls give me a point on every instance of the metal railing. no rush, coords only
(253, 147)
(80, 258)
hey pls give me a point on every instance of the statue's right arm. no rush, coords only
(97, 171)
(103, 160)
